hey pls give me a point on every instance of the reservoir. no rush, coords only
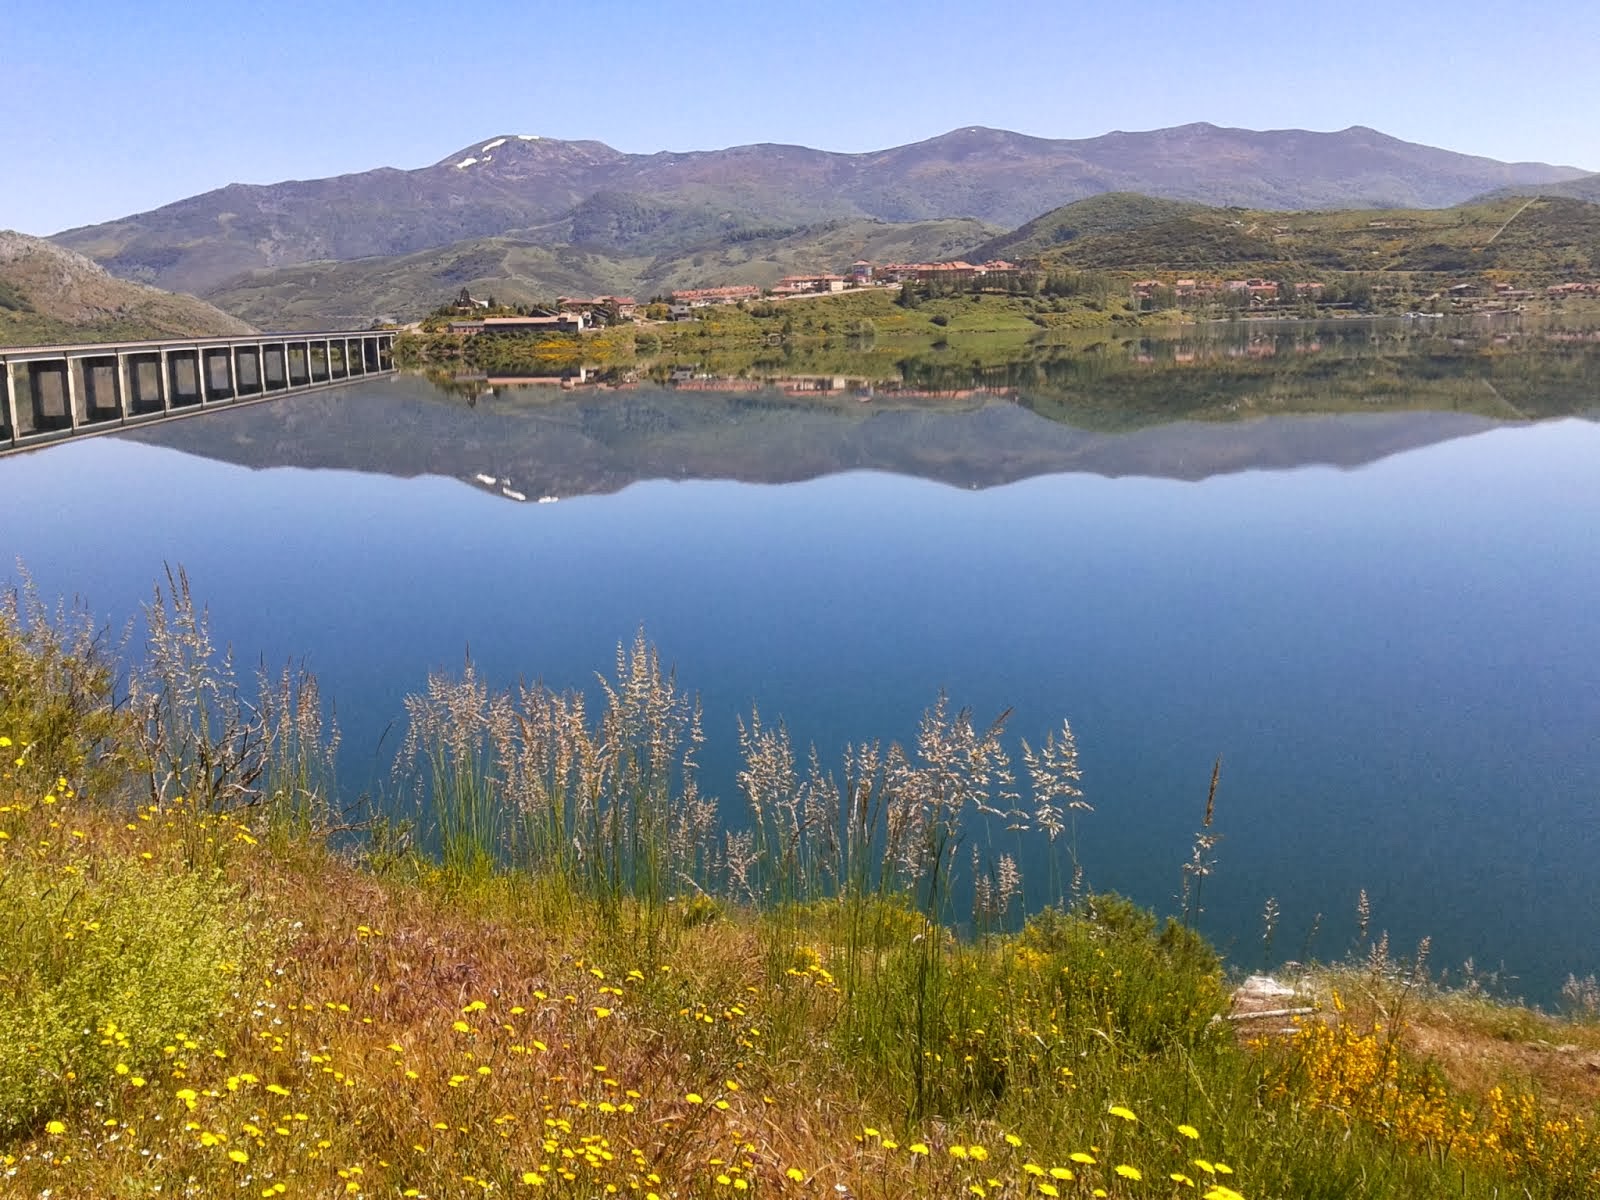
(1363, 568)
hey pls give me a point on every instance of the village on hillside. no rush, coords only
(574, 314)
(577, 313)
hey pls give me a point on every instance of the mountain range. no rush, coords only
(548, 192)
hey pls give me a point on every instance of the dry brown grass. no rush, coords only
(1478, 1050)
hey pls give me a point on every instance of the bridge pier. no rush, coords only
(124, 401)
(73, 394)
(9, 413)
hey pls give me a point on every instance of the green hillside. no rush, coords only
(1540, 239)
(1113, 212)
(1535, 241)
(524, 269)
(512, 270)
(628, 223)
(828, 247)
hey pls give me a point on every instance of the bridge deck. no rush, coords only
(52, 393)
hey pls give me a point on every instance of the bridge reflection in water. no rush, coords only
(57, 392)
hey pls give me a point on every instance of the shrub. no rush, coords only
(101, 969)
(1110, 961)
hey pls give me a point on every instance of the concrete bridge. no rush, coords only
(56, 392)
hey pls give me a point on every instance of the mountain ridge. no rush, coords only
(513, 182)
(1584, 187)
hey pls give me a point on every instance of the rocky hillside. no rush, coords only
(539, 187)
(51, 295)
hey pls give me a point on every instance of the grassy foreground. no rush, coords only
(586, 986)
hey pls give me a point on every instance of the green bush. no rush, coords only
(101, 968)
(1115, 968)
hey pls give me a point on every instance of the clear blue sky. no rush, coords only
(112, 107)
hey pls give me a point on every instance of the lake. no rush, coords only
(1360, 564)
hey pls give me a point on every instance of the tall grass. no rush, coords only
(880, 855)
(204, 740)
(528, 781)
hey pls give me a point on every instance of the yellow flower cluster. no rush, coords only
(1367, 1077)
(973, 1169)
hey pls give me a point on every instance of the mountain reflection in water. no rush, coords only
(1189, 407)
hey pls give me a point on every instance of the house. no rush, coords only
(958, 270)
(466, 326)
(1257, 291)
(702, 297)
(563, 322)
(927, 272)
(861, 272)
(626, 306)
(796, 285)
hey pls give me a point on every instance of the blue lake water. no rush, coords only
(1387, 623)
